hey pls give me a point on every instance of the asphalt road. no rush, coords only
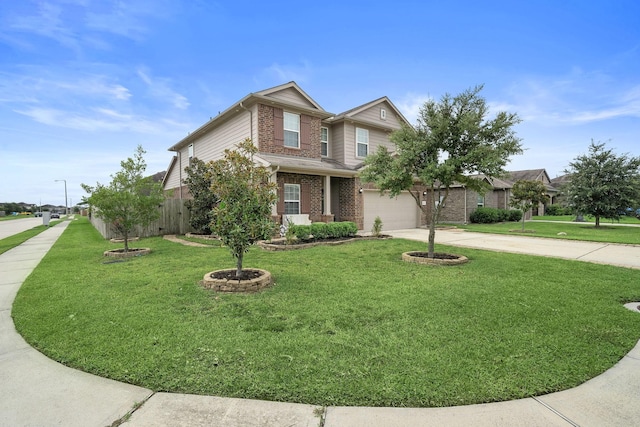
(15, 226)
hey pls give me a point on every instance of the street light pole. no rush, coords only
(66, 209)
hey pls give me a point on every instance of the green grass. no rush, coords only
(574, 231)
(11, 217)
(17, 239)
(343, 325)
(623, 220)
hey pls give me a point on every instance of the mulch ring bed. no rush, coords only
(439, 258)
(133, 252)
(282, 245)
(250, 281)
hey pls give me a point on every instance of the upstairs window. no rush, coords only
(190, 153)
(362, 142)
(291, 130)
(291, 199)
(324, 141)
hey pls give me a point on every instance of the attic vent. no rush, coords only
(383, 113)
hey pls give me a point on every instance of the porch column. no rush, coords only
(274, 179)
(327, 195)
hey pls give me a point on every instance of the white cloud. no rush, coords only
(283, 73)
(410, 105)
(577, 98)
(160, 88)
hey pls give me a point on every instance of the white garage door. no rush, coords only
(396, 214)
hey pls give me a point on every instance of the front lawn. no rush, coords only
(623, 220)
(571, 231)
(343, 325)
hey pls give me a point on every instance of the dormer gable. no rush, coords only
(291, 94)
(380, 113)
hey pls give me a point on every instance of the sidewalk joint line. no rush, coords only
(556, 412)
(595, 250)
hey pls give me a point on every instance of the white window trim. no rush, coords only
(481, 201)
(383, 114)
(322, 143)
(297, 131)
(299, 201)
(362, 143)
(190, 151)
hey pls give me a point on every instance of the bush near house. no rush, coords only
(493, 215)
(321, 230)
(557, 210)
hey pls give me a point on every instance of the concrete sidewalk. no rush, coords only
(36, 391)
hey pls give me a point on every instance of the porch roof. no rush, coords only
(307, 166)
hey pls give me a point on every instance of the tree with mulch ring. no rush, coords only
(452, 140)
(130, 200)
(242, 216)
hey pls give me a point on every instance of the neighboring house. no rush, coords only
(560, 182)
(314, 155)
(463, 201)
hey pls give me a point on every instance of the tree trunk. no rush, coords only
(239, 266)
(125, 236)
(523, 221)
(597, 221)
(432, 227)
(432, 240)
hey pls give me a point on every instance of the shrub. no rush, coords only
(319, 230)
(515, 215)
(484, 216)
(302, 232)
(376, 230)
(553, 210)
(342, 229)
(493, 215)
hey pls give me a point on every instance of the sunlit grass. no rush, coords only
(343, 325)
(561, 230)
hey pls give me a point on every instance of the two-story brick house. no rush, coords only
(314, 155)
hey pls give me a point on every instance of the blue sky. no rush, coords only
(83, 82)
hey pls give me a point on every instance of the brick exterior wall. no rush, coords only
(316, 185)
(266, 140)
(351, 203)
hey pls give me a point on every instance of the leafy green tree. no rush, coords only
(129, 200)
(204, 200)
(526, 194)
(243, 214)
(452, 139)
(603, 184)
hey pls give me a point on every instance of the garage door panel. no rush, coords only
(396, 213)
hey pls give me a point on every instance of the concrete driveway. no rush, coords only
(601, 253)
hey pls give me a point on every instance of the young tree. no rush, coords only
(243, 214)
(204, 200)
(525, 194)
(603, 184)
(129, 200)
(452, 139)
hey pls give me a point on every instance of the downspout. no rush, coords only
(250, 119)
(180, 171)
(464, 221)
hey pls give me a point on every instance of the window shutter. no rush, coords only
(305, 198)
(278, 127)
(305, 132)
(280, 204)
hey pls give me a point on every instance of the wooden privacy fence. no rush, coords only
(174, 219)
